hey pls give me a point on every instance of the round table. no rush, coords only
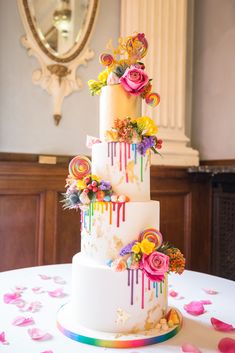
(36, 283)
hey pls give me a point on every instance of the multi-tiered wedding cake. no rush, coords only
(119, 279)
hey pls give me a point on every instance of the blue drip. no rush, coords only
(156, 289)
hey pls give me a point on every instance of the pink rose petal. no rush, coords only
(173, 294)
(33, 307)
(205, 302)
(210, 291)
(221, 325)
(9, 298)
(226, 345)
(189, 348)
(19, 289)
(38, 335)
(38, 290)
(3, 339)
(57, 293)
(20, 303)
(194, 308)
(23, 321)
(47, 352)
(45, 277)
(59, 280)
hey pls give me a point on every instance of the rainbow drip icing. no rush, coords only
(158, 286)
(101, 207)
(127, 152)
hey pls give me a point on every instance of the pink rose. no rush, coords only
(155, 265)
(134, 80)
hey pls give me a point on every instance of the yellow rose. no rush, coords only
(95, 177)
(147, 246)
(146, 125)
(81, 185)
(136, 248)
(111, 135)
(103, 76)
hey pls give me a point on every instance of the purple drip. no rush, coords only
(115, 149)
(137, 277)
(128, 282)
(132, 287)
(111, 153)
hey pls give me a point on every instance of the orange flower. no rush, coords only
(177, 260)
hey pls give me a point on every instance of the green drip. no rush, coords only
(161, 287)
(90, 215)
(92, 208)
(141, 168)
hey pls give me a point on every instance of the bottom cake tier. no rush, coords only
(118, 302)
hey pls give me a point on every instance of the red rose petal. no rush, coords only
(221, 326)
(194, 308)
(226, 345)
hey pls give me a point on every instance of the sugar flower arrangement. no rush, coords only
(150, 255)
(141, 131)
(124, 67)
(84, 187)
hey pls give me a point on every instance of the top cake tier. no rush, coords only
(116, 103)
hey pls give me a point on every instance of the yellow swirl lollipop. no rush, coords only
(152, 235)
(152, 99)
(79, 167)
(106, 59)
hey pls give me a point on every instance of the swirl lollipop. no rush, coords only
(152, 99)
(152, 235)
(79, 167)
(106, 59)
(137, 46)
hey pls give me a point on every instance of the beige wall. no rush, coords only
(213, 121)
(26, 123)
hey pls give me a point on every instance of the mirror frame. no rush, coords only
(57, 74)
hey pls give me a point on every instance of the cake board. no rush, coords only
(80, 334)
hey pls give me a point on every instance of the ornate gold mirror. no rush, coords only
(58, 33)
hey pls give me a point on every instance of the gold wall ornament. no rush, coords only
(58, 56)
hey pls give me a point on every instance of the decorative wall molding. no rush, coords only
(166, 24)
(57, 73)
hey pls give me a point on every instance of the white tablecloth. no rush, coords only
(196, 330)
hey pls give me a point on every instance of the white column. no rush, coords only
(165, 24)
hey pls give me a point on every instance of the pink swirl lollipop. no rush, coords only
(152, 235)
(106, 59)
(79, 167)
(152, 99)
(137, 46)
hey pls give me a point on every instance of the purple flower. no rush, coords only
(127, 248)
(105, 185)
(145, 144)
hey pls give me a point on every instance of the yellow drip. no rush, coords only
(110, 212)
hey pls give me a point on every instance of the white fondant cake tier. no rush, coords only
(107, 227)
(115, 103)
(110, 301)
(124, 167)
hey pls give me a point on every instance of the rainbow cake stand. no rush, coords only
(111, 340)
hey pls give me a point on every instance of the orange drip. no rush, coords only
(110, 213)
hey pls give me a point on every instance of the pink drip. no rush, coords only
(111, 153)
(115, 149)
(125, 160)
(142, 301)
(120, 156)
(114, 206)
(129, 151)
(132, 287)
(123, 212)
(149, 284)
